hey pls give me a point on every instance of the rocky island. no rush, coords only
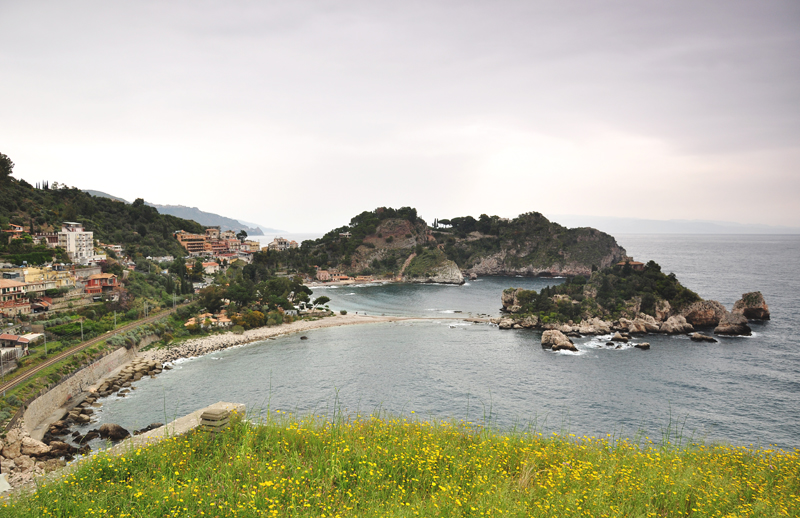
(626, 299)
(396, 244)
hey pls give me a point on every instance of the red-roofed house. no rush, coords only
(101, 282)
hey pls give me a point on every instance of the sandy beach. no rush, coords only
(206, 344)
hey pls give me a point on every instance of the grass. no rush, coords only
(383, 466)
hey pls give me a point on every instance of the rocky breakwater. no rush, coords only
(22, 457)
(136, 370)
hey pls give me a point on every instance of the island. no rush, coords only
(628, 298)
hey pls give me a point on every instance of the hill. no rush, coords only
(394, 242)
(141, 229)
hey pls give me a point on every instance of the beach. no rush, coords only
(206, 344)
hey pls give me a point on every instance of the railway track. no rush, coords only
(78, 348)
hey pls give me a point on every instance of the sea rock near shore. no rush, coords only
(556, 341)
(733, 324)
(700, 337)
(676, 325)
(704, 313)
(509, 300)
(753, 306)
(113, 432)
(446, 273)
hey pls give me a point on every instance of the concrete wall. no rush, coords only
(43, 406)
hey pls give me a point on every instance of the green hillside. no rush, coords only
(139, 228)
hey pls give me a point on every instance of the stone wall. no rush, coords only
(43, 406)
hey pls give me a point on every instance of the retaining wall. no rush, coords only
(42, 407)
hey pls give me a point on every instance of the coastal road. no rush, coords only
(69, 352)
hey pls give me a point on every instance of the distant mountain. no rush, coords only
(210, 219)
(673, 226)
(207, 219)
(101, 194)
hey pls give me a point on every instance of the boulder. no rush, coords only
(59, 449)
(555, 340)
(594, 326)
(704, 313)
(6, 465)
(675, 325)
(700, 337)
(13, 443)
(113, 431)
(506, 323)
(753, 306)
(33, 448)
(619, 338)
(151, 426)
(23, 463)
(529, 322)
(733, 324)
(643, 346)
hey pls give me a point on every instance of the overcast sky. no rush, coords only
(299, 115)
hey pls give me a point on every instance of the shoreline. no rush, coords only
(200, 346)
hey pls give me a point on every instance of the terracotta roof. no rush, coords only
(6, 336)
(8, 283)
(102, 276)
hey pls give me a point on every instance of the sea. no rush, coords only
(741, 391)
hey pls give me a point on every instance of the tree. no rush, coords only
(242, 235)
(6, 167)
(211, 298)
(321, 301)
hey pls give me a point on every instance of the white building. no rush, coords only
(78, 243)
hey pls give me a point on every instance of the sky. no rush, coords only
(299, 115)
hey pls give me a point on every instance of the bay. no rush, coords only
(740, 391)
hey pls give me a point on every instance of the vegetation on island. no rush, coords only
(379, 242)
(610, 293)
(385, 466)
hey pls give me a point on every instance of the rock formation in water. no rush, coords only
(753, 306)
(704, 313)
(733, 324)
(626, 301)
(556, 341)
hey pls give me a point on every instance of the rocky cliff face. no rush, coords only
(508, 263)
(446, 273)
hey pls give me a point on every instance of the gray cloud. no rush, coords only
(680, 109)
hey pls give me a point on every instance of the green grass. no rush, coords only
(398, 467)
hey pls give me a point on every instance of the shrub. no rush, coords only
(343, 312)
(237, 330)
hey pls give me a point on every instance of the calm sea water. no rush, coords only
(740, 391)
